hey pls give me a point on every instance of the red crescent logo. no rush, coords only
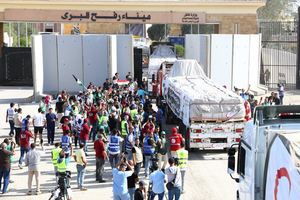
(281, 173)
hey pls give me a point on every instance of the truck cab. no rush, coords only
(269, 135)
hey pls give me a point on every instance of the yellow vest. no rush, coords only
(62, 167)
(55, 154)
(124, 132)
(182, 155)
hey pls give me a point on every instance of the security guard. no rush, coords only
(133, 111)
(100, 119)
(54, 156)
(125, 131)
(149, 150)
(129, 143)
(183, 156)
(62, 163)
(114, 148)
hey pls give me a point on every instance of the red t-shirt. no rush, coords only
(24, 138)
(64, 128)
(92, 116)
(99, 147)
(84, 135)
(175, 140)
(145, 132)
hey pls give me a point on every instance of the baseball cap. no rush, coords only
(66, 119)
(163, 133)
(142, 183)
(85, 120)
(93, 107)
(174, 130)
(148, 126)
(131, 127)
(113, 108)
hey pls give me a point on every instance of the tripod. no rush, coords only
(61, 191)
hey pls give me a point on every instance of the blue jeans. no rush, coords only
(85, 144)
(5, 175)
(93, 131)
(50, 133)
(80, 175)
(23, 150)
(121, 197)
(12, 126)
(131, 193)
(281, 99)
(114, 159)
(160, 196)
(176, 191)
(148, 164)
(129, 155)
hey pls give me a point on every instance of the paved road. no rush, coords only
(206, 176)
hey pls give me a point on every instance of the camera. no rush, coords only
(177, 162)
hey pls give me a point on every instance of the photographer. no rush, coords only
(138, 194)
(120, 190)
(157, 180)
(173, 173)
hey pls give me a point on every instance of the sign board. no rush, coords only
(104, 16)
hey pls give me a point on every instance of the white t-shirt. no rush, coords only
(130, 138)
(39, 119)
(18, 117)
(11, 113)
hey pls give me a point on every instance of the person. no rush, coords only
(84, 135)
(77, 130)
(25, 122)
(175, 140)
(32, 161)
(5, 166)
(10, 118)
(106, 84)
(266, 102)
(50, 118)
(245, 94)
(114, 147)
(277, 100)
(11, 145)
(281, 93)
(159, 116)
(148, 151)
(131, 181)
(47, 102)
(125, 131)
(137, 156)
(157, 180)
(24, 144)
(39, 121)
(66, 125)
(129, 143)
(162, 151)
(81, 166)
(173, 173)
(101, 154)
(66, 141)
(138, 194)
(42, 105)
(18, 125)
(92, 114)
(59, 110)
(183, 156)
(247, 111)
(54, 157)
(120, 190)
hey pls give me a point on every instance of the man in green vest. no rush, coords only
(125, 131)
(133, 111)
(54, 156)
(62, 164)
(100, 119)
(183, 156)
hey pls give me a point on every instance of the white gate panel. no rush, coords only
(69, 62)
(240, 65)
(221, 59)
(50, 64)
(125, 55)
(95, 59)
(254, 60)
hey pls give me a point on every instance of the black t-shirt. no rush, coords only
(131, 180)
(106, 86)
(59, 106)
(113, 123)
(277, 101)
(138, 194)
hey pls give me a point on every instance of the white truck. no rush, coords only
(268, 162)
(208, 115)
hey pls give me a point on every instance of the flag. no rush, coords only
(78, 81)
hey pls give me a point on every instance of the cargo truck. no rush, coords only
(268, 160)
(208, 115)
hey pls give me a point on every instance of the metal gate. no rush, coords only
(17, 64)
(279, 53)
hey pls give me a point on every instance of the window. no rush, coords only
(241, 161)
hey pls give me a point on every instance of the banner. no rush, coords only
(283, 179)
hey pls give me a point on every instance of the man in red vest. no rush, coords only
(175, 140)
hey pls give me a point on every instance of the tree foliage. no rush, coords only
(203, 29)
(180, 51)
(277, 9)
(14, 33)
(157, 32)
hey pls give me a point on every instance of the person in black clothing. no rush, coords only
(114, 121)
(59, 110)
(131, 180)
(277, 100)
(106, 84)
(138, 194)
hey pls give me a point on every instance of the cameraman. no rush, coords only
(173, 173)
(157, 180)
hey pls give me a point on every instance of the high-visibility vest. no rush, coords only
(62, 167)
(114, 145)
(148, 149)
(182, 155)
(100, 119)
(55, 154)
(124, 131)
(133, 113)
(128, 147)
(75, 111)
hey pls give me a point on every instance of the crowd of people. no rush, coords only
(124, 129)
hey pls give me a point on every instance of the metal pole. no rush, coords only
(191, 29)
(26, 35)
(19, 34)
(198, 29)
(165, 32)
(10, 43)
(129, 29)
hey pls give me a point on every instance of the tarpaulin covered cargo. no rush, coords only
(193, 96)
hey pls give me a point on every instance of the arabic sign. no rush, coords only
(104, 16)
